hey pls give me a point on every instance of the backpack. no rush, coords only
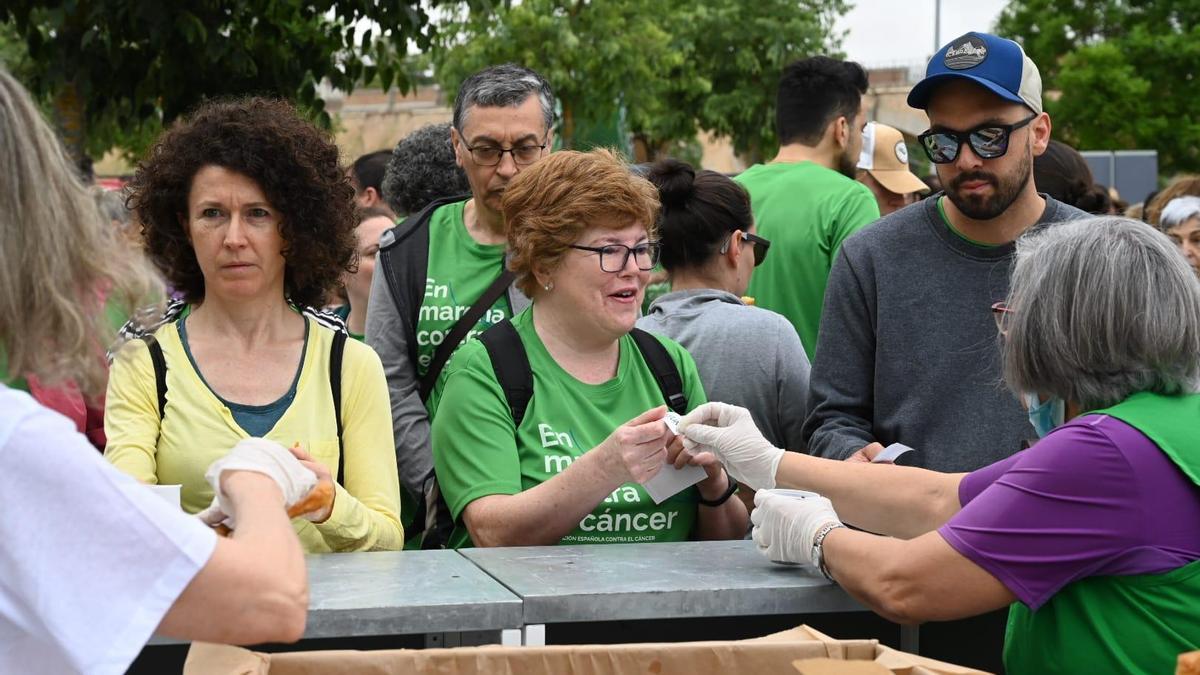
(406, 267)
(336, 350)
(511, 365)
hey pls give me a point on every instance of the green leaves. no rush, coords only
(1119, 74)
(669, 68)
(141, 63)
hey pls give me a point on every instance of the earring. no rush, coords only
(549, 286)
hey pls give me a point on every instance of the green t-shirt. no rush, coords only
(807, 211)
(477, 452)
(460, 270)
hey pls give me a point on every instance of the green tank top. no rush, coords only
(1121, 624)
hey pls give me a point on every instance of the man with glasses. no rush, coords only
(908, 348)
(443, 279)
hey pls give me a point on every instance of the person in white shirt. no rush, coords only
(91, 562)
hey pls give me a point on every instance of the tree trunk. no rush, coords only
(68, 117)
(568, 125)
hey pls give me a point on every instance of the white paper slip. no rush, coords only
(672, 421)
(670, 481)
(891, 452)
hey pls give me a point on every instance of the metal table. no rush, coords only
(405, 593)
(618, 582)
(436, 593)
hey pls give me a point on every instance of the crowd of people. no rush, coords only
(447, 345)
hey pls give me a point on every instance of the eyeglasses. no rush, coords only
(989, 141)
(614, 257)
(1001, 313)
(760, 246)
(490, 155)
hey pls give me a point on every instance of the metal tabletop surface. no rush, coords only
(403, 593)
(613, 582)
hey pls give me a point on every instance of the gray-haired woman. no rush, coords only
(1093, 534)
(1180, 219)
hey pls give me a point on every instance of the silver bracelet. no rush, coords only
(818, 552)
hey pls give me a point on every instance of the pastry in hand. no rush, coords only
(319, 499)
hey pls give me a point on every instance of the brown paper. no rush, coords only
(778, 653)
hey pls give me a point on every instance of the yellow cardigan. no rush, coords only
(197, 428)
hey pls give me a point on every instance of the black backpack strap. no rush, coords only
(460, 329)
(160, 372)
(511, 364)
(666, 373)
(404, 257)
(336, 350)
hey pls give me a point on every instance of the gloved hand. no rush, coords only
(729, 433)
(261, 456)
(784, 527)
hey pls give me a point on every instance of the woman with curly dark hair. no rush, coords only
(246, 210)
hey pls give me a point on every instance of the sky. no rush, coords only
(900, 32)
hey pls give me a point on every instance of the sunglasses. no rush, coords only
(988, 141)
(760, 246)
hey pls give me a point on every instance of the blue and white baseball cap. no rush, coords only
(997, 64)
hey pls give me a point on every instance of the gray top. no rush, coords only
(908, 350)
(410, 419)
(747, 356)
(404, 592)
(613, 582)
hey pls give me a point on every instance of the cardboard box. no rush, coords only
(800, 650)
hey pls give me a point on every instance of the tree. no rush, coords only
(1122, 73)
(116, 71)
(590, 52)
(668, 68)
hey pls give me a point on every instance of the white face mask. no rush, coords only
(1045, 416)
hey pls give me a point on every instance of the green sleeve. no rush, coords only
(474, 440)
(856, 211)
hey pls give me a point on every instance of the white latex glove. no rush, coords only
(728, 432)
(261, 456)
(784, 527)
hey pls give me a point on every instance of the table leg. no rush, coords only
(910, 639)
(511, 637)
(534, 635)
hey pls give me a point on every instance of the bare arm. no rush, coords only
(898, 501)
(254, 588)
(727, 521)
(922, 579)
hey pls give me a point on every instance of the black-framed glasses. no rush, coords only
(759, 243)
(988, 141)
(486, 154)
(614, 257)
(761, 246)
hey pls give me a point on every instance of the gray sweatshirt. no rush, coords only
(908, 350)
(746, 355)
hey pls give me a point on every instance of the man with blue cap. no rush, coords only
(908, 349)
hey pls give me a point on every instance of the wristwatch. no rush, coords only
(725, 496)
(818, 551)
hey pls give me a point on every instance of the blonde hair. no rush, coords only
(549, 205)
(61, 260)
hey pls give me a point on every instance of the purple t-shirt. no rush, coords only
(1093, 498)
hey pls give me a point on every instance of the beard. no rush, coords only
(1005, 190)
(847, 164)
